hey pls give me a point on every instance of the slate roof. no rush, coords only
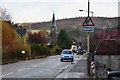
(108, 47)
(20, 32)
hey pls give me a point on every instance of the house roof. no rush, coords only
(108, 47)
(21, 32)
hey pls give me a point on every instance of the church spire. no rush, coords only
(53, 24)
(53, 31)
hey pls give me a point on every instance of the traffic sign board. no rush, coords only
(88, 29)
(88, 22)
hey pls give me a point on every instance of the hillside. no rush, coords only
(72, 23)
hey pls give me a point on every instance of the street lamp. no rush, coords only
(86, 11)
(88, 42)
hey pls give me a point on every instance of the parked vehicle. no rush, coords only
(113, 74)
(80, 51)
(67, 54)
(74, 51)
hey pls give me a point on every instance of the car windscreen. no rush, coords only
(66, 52)
(79, 50)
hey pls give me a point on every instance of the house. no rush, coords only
(107, 56)
(21, 32)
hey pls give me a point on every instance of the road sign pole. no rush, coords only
(88, 47)
(88, 54)
(88, 27)
(88, 7)
(88, 42)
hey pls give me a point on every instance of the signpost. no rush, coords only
(88, 29)
(88, 26)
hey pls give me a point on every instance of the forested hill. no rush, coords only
(100, 22)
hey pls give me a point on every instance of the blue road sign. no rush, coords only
(88, 28)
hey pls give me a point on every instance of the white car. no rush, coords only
(67, 54)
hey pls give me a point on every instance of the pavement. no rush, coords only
(77, 70)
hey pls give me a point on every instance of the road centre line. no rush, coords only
(2, 76)
(6, 74)
(35, 66)
(9, 73)
(23, 69)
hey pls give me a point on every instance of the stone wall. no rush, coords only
(103, 62)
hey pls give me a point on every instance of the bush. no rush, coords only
(45, 50)
(58, 51)
(55, 50)
(52, 51)
(39, 50)
(23, 46)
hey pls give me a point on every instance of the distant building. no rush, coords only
(21, 32)
(53, 31)
(107, 56)
(74, 46)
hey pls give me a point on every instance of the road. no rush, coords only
(48, 67)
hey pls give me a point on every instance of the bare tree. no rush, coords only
(4, 15)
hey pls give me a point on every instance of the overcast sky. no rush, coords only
(42, 10)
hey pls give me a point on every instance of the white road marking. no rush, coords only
(61, 71)
(13, 72)
(44, 63)
(35, 66)
(23, 69)
(9, 74)
(66, 67)
(2, 76)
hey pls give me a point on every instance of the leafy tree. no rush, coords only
(63, 39)
(12, 45)
(8, 38)
(37, 38)
(9, 41)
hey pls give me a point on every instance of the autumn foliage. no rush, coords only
(9, 42)
(12, 45)
(8, 38)
(38, 38)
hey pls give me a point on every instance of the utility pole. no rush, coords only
(88, 27)
(88, 45)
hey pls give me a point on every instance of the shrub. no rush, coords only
(23, 46)
(39, 50)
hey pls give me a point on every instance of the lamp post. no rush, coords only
(86, 11)
(88, 42)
